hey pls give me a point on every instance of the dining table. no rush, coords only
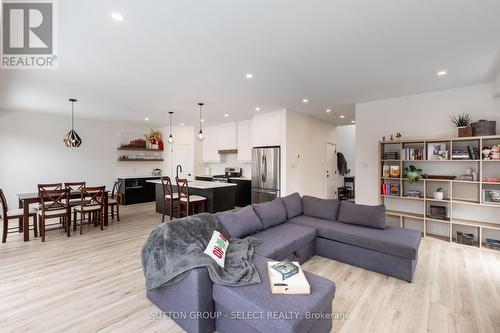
(26, 199)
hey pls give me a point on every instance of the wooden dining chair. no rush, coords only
(74, 187)
(189, 202)
(54, 204)
(91, 206)
(169, 197)
(115, 200)
(7, 215)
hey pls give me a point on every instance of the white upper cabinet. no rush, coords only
(217, 138)
(267, 129)
(244, 141)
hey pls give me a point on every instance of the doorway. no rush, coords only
(331, 171)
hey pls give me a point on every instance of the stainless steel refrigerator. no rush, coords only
(265, 173)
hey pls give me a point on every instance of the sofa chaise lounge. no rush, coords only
(294, 228)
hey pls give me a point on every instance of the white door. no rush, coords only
(182, 155)
(331, 171)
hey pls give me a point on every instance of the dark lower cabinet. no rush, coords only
(243, 191)
(137, 190)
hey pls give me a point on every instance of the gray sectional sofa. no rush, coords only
(294, 228)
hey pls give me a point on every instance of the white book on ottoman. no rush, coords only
(294, 285)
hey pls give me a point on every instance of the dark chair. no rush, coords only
(7, 215)
(115, 199)
(189, 202)
(74, 187)
(54, 204)
(169, 197)
(91, 205)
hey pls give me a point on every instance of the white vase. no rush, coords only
(438, 195)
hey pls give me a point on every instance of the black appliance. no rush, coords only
(137, 190)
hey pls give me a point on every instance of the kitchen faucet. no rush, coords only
(179, 167)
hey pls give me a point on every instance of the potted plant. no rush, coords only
(413, 174)
(463, 123)
(439, 194)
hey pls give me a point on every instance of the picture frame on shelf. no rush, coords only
(491, 196)
(437, 151)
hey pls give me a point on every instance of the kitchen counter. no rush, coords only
(235, 178)
(200, 184)
(220, 196)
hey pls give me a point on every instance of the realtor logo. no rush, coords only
(28, 34)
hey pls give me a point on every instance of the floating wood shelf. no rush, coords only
(139, 149)
(426, 185)
(140, 159)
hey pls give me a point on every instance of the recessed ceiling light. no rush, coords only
(352, 122)
(342, 116)
(117, 17)
(182, 124)
(442, 73)
(146, 119)
(249, 76)
(328, 110)
(257, 109)
(305, 100)
(226, 115)
(202, 120)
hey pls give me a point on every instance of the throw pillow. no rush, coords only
(327, 209)
(217, 247)
(364, 215)
(293, 205)
(271, 213)
(240, 223)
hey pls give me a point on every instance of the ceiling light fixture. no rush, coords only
(305, 100)
(72, 139)
(352, 122)
(117, 17)
(226, 115)
(328, 110)
(182, 124)
(170, 137)
(200, 133)
(249, 76)
(257, 109)
(442, 73)
(342, 116)
(146, 119)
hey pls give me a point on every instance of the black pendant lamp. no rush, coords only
(170, 137)
(72, 139)
(200, 133)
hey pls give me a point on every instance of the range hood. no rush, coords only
(227, 151)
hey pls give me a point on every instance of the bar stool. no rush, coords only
(187, 200)
(168, 198)
(7, 215)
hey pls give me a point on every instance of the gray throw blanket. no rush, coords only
(176, 247)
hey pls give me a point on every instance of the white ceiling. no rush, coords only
(168, 55)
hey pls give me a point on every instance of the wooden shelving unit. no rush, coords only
(420, 206)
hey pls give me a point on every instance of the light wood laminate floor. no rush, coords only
(94, 282)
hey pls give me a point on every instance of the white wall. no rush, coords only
(345, 140)
(305, 153)
(417, 116)
(32, 151)
(227, 161)
(496, 86)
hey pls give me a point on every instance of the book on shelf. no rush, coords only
(394, 171)
(391, 155)
(412, 154)
(390, 189)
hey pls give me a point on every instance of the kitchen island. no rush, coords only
(220, 196)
